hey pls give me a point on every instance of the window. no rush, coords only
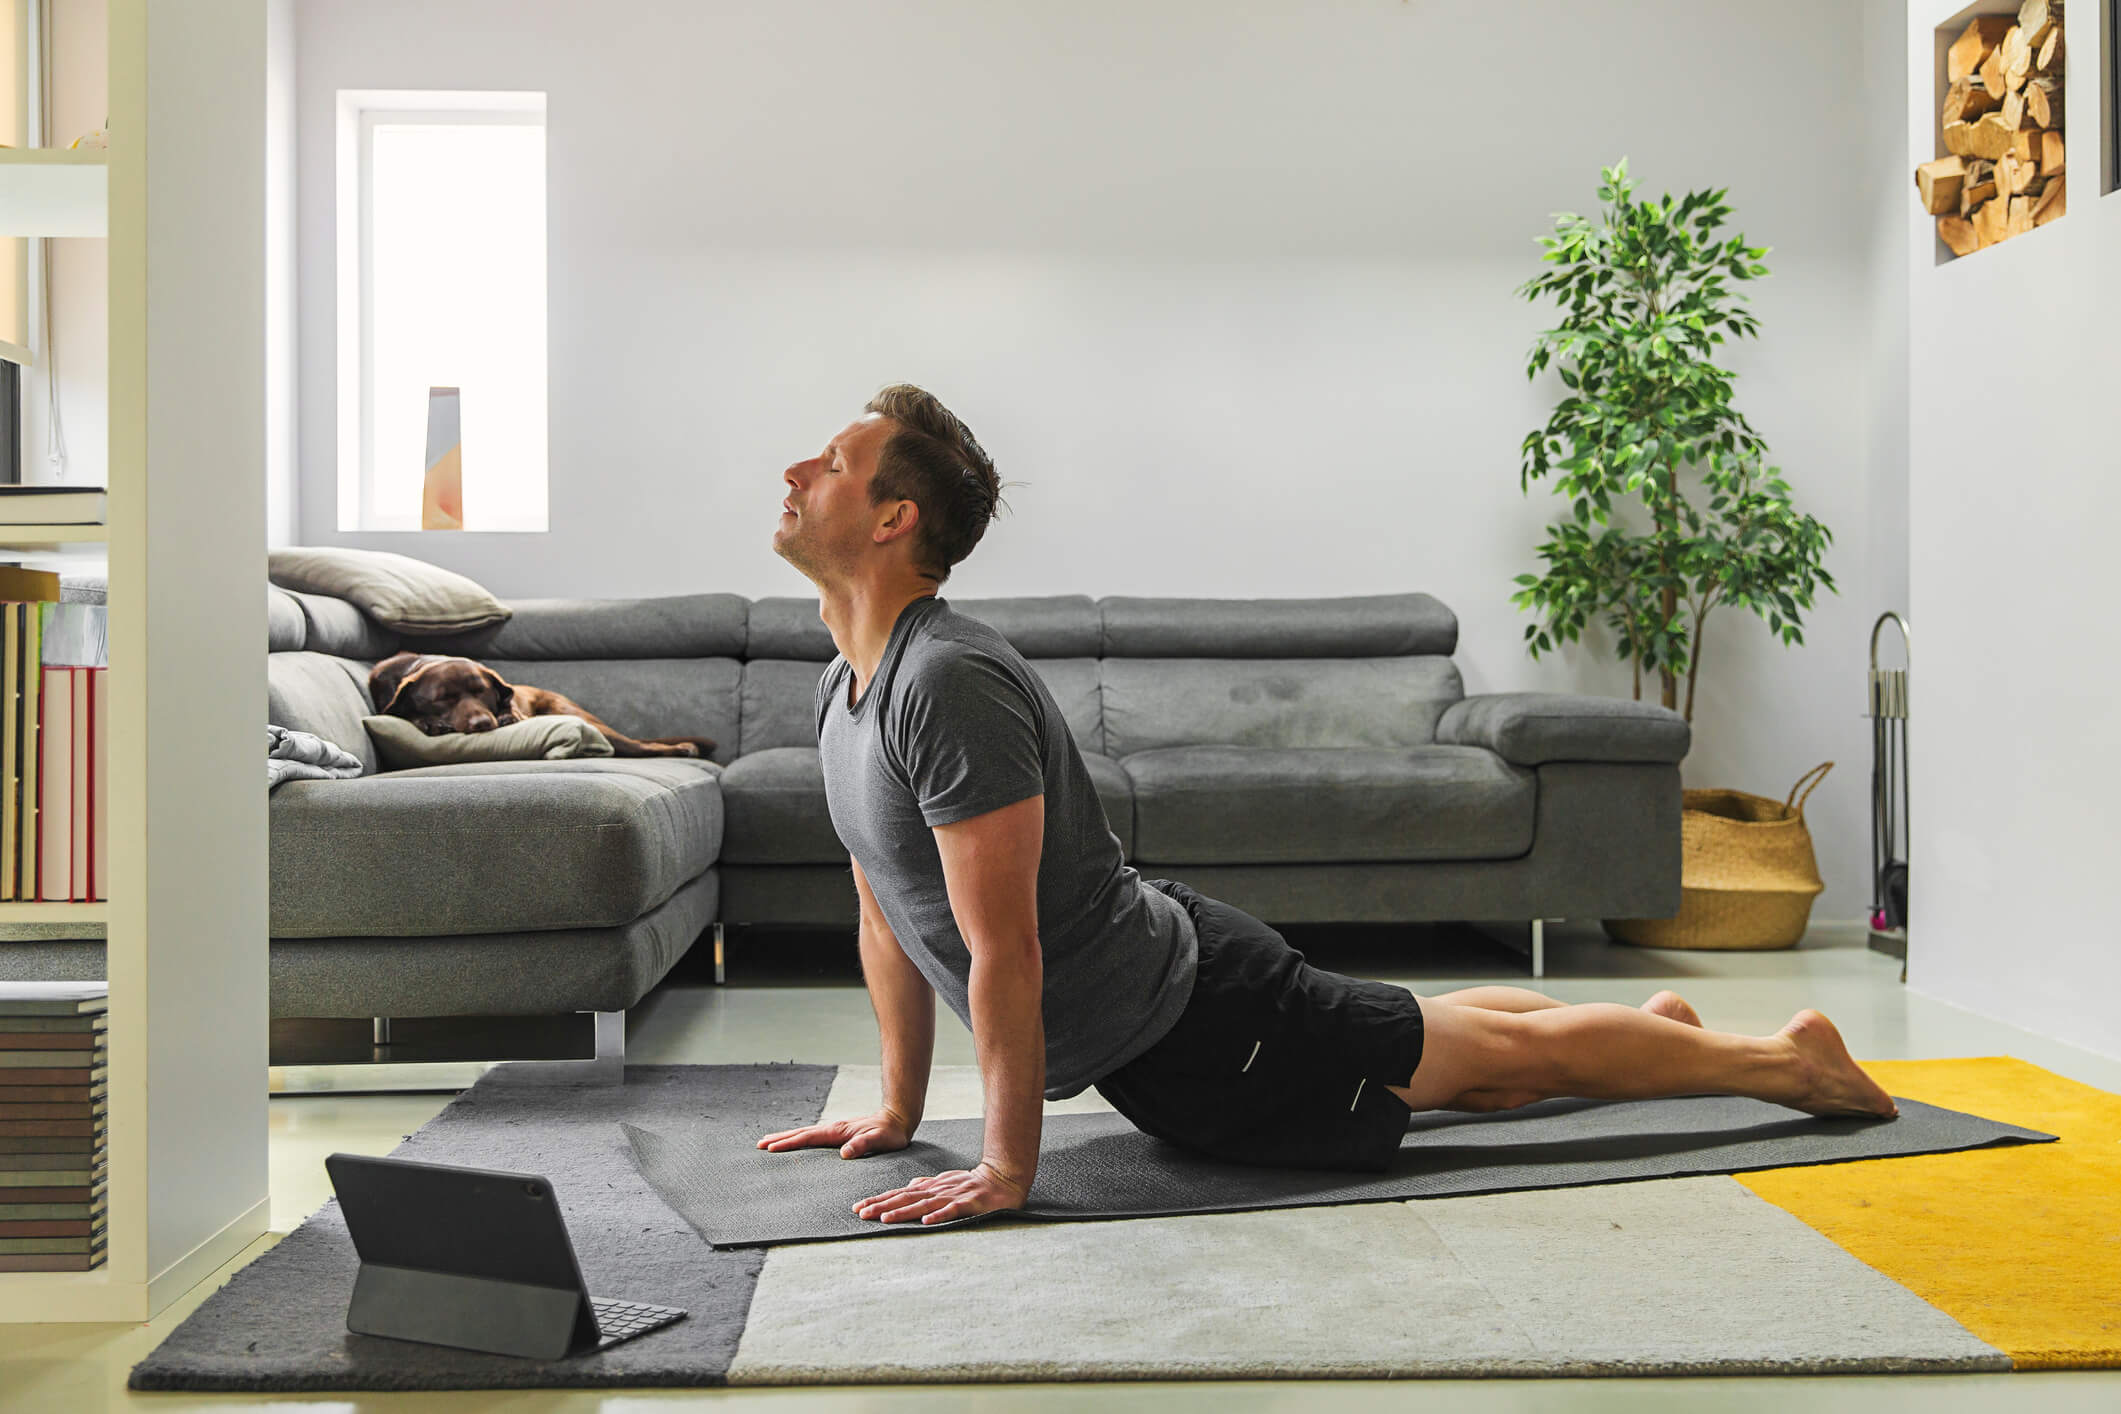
(441, 302)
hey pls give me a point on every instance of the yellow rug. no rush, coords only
(2020, 1244)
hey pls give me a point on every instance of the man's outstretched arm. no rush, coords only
(990, 864)
(905, 1021)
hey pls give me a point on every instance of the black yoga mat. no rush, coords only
(1099, 1166)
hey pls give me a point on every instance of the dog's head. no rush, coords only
(440, 694)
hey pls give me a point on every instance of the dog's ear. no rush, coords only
(504, 695)
(389, 679)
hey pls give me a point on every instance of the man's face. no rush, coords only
(827, 526)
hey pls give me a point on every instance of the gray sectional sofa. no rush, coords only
(1307, 760)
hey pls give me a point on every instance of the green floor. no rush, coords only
(801, 1002)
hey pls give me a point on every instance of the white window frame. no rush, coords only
(359, 110)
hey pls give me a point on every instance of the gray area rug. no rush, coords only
(280, 1323)
(1100, 1166)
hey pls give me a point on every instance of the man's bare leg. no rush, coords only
(1520, 999)
(1475, 1058)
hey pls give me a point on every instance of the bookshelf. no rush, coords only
(185, 564)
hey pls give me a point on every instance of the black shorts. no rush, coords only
(1273, 1061)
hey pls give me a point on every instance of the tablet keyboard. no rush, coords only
(623, 1320)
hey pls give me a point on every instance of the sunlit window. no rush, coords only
(443, 410)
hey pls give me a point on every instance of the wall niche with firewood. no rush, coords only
(2000, 169)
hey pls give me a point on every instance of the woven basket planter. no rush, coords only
(1748, 876)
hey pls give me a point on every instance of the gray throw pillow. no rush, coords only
(406, 595)
(400, 744)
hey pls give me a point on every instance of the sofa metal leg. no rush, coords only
(720, 973)
(382, 1030)
(1539, 947)
(607, 1067)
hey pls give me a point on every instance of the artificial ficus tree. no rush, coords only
(1673, 512)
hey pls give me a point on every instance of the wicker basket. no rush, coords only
(1748, 876)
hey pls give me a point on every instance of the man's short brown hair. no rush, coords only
(933, 460)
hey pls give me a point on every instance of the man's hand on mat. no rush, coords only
(879, 1133)
(960, 1193)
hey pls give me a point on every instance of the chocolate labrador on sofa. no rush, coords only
(440, 694)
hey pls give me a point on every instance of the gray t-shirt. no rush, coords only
(956, 724)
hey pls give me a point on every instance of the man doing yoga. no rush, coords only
(987, 872)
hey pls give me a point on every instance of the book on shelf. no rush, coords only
(77, 846)
(21, 799)
(55, 796)
(75, 999)
(52, 1227)
(50, 1094)
(51, 505)
(53, 1162)
(16, 1145)
(13, 1040)
(66, 1025)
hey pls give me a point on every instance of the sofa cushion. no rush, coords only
(779, 703)
(1255, 805)
(286, 631)
(775, 811)
(405, 595)
(334, 626)
(1152, 703)
(774, 804)
(644, 697)
(491, 847)
(400, 743)
(322, 694)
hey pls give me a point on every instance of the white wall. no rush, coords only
(2013, 504)
(80, 304)
(1229, 285)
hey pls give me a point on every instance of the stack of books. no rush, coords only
(54, 1183)
(53, 790)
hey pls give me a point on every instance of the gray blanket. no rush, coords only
(304, 756)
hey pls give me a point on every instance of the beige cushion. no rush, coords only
(399, 743)
(397, 591)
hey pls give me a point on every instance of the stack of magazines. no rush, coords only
(54, 1184)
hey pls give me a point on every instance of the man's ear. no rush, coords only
(504, 696)
(390, 678)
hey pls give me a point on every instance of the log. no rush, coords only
(1974, 44)
(2025, 144)
(2035, 19)
(1958, 233)
(2013, 108)
(2050, 57)
(1965, 101)
(2013, 175)
(2051, 154)
(1959, 139)
(1989, 136)
(2015, 56)
(1991, 72)
(1972, 194)
(2053, 202)
(1939, 183)
(1990, 219)
(2043, 100)
(2020, 219)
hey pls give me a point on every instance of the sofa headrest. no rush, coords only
(670, 626)
(1354, 626)
(327, 625)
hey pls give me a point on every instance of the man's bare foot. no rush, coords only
(1834, 1083)
(1673, 1005)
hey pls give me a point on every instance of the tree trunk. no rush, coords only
(1671, 592)
(1693, 666)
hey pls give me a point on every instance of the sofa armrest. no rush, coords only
(1533, 728)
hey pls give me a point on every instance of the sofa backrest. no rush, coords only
(1130, 674)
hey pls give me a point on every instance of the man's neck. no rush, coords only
(861, 619)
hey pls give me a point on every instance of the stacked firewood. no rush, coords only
(2002, 174)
